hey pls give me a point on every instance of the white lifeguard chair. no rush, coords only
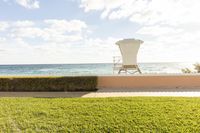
(128, 62)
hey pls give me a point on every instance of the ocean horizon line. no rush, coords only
(87, 63)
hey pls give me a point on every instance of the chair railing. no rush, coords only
(117, 63)
(119, 68)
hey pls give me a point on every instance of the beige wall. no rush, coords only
(150, 81)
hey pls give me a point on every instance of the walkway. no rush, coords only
(175, 92)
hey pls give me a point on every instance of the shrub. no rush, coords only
(186, 70)
(80, 83)
(196, 67)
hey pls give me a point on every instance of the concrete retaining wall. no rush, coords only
(149, 81)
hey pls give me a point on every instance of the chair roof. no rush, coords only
(128, 41)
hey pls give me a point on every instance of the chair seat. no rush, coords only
(129, 66)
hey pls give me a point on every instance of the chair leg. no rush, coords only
(126, 71)
(122, 69)
(138, 69)
(119, 71)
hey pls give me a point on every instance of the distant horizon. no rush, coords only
(97, 63)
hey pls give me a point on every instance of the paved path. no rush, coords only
(183, 92)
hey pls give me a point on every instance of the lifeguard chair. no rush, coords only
(128, 62)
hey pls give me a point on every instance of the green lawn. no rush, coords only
(137, 114)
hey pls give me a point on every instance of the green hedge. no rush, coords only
(80, 83)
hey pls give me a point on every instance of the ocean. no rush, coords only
(87, 69)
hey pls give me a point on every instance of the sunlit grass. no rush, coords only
(138, 114)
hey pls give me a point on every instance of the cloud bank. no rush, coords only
(52, 41)
(29, 4)
(170, 28)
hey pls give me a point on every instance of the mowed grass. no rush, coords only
(136, 114)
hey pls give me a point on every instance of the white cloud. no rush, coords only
(171, 47)
(92, 5)
(169, 28)
(49, 41)
(3, 25)
(53, 41)
(2, 39)
(64, 25)
(96, 50)
(25, 23)
(171, 12)
(52, 31)
(86, 51)
(158, 30)
(28, 32)
(29, 4)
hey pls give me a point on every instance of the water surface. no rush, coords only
(86, 69)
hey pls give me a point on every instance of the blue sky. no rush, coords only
(84, 31)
